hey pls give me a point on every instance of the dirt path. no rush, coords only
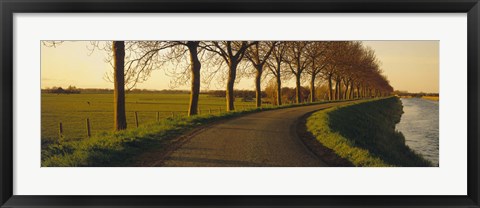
(264, 139)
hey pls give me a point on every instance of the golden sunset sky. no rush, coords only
(409, 65)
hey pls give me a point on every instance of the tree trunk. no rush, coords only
(339, 82)
(120, 120)
(298, 89)
(352, 89)
(279, 89)
(195, 67)
(345, 93)
(358, 92)
(312, 88)
(336, 90)
(330, 90)
(258, 89)
(232, 74)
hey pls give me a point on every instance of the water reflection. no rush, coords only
(419, 124)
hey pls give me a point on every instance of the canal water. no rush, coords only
(419, 124)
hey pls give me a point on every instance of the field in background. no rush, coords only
(434, 98)
(73, 110)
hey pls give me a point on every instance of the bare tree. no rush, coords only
(357, 69)
(195, 67)
(316, 53)
(258, 55)
(232, 52)
(274, 64)
(335, 57)
(179, 48)
(297, 60)
(351, 66)
(140, 60)
(149, 56)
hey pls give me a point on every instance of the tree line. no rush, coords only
(414, 94)
(350, 69)
(59, 90)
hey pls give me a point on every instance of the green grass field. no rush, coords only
(73, 110)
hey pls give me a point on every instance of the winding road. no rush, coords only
(265, 139)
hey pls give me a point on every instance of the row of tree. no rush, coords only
(350, 69)
(414, 94)
(59, 90)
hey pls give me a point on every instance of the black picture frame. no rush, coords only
(9, 7)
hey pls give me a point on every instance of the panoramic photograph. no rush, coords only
(255, 103)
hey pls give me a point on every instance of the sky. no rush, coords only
(411, 66)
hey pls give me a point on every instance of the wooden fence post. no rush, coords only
(209, 111)
(158, 116)
(136, 119)
(88, 128)
(60, 131)
(173, 114)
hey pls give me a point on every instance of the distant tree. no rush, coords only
(217, 93)
(322, 91)
(288, 94)
(59, 90)
(271, 92)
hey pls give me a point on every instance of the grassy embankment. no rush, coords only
(364, 133)
(118, 149)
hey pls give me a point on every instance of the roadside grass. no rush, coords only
(364, 133)
(120, 148)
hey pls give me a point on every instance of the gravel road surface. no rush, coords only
(264, 139)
